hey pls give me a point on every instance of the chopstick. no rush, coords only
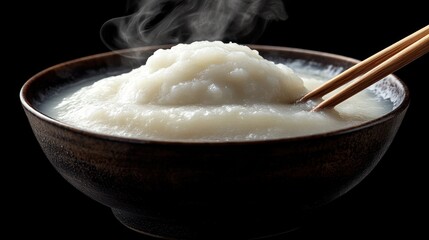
(372, 69)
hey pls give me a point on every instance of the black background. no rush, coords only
(390, 202)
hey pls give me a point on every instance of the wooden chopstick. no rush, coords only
(373, 68)
(389, 66)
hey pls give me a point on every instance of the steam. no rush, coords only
(174, 21)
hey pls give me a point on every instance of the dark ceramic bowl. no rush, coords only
(209, 190)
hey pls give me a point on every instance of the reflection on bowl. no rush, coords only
(208, 190)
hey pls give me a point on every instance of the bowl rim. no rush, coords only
(29, 107)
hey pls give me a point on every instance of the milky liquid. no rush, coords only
(181, 112)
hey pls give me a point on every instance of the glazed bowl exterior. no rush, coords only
(207, 190)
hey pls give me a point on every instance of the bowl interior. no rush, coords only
(47, 82)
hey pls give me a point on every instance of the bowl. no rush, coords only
(209, 190)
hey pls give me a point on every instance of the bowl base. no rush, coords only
(256, 227)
